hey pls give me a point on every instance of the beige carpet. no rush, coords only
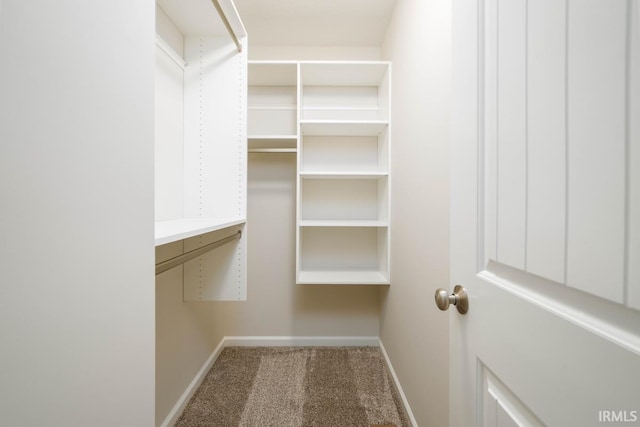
(295, 386)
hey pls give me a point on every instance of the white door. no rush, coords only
(546, 213)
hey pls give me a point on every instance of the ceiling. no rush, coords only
(315, 22)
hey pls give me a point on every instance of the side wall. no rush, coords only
(413, 331)
(76, 184)
(187, 333)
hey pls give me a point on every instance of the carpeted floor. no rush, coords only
(295, 386)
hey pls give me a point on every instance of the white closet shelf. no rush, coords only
(272, 107)
(343, 223)
(342, 175)
(342, 277)
(343, 127)
(273, 150)
(338, 108)
(272, 73)
(273, 137)
(179, 229)
(272, 144)
(343, 73)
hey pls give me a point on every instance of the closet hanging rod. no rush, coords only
(171, 54)
(226, 23)
(181, 259)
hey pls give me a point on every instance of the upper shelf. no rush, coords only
(343, 174)
(339, 73)
(200, 18)
(179, 229)
(343, 128)
(272, 73)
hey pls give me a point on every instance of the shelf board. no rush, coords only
(273, 137)
(179, 229)
(343, 223)
(272, 107)
(342, 175)
(337, 108)
(343, 73)
(272, 73)
(272, 144)
(342, 277)
(272, 150)
(343, 127)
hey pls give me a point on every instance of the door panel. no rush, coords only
(555, 140)
(557, 366)
(596, 146)
(511, 144)
(546, 133)
(545, 211)
(501, 408)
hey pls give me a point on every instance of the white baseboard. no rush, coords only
(397, 386)
(285, 341)
(177, 409)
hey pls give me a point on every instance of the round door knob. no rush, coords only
(458, 298)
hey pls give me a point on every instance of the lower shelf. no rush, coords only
(342, 277)
(343, 255)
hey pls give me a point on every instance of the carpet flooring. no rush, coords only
(296, 387)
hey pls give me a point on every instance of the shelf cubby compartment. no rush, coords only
(353, 198)
(272, 99)
(273, 144)
(353, 153)
(344, 256)
(344, 91)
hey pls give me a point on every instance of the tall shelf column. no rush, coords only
(343, 211)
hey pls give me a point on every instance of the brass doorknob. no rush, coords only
(459, 298)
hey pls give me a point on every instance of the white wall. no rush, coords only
(276, 305)
(76, 184)
(185, 336)
(413, 331)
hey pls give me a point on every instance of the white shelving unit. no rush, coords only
(336, 116)
(273, 107)
(201, 143)
(343, 228)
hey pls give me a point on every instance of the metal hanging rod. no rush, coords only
(226, 23)
(181, 259)
(171, 54)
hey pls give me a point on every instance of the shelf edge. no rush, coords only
(184, 230)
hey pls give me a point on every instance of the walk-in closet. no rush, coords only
(319, 212)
